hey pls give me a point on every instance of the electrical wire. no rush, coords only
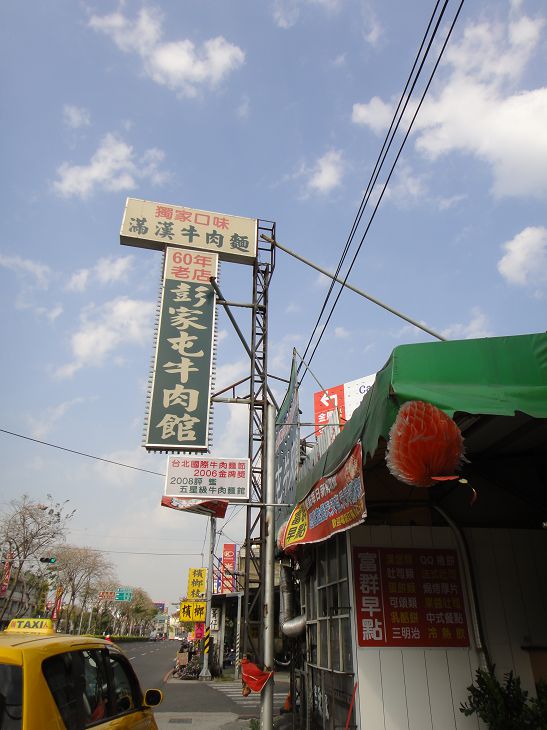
(390, 174)
(81, 453)
(390, 135)
(374, 176)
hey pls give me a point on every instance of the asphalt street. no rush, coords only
(219, 699)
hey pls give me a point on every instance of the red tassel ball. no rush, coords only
(425, 445)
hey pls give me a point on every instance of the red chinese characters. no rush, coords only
(409, 597)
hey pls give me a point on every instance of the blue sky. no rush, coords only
(275, 110)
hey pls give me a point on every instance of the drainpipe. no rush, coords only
(463, 550)
(291, 625)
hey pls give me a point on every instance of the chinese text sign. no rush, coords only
(205, 477)
(154, 225)
(178, 417)
(335, 504)
(197, 582)
(409, 597)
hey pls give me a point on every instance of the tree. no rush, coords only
(29, 530)
(77, 570)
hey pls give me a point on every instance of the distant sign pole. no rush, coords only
(205, 671)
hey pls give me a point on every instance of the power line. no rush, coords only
(81, 453)
(391, 172)
(374, 176)
(132, 552)
(388, 140)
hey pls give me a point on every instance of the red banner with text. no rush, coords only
(335, 503)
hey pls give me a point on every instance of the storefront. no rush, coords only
(406, 590)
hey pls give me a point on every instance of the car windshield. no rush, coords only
(11, 697)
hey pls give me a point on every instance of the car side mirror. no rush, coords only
(153, 697)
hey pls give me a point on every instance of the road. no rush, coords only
(152, 662)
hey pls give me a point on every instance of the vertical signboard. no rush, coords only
(287, 447)
(197, 583)
(6, 574)
(58, 603)
(228, 582)
(179, 409)
(409, 597)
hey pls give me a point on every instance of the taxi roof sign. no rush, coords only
(34, 626)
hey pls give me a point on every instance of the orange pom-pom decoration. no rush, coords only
(425, 445)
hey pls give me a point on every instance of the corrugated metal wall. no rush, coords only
(421, 689)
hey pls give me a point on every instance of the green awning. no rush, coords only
(497, 376)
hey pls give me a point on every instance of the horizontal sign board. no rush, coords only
(107, 595)
(155, 225)
(205, 477)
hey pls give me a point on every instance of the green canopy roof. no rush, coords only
(494, 376)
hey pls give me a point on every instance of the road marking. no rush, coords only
(132, 657)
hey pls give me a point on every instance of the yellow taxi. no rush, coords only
(51, 681)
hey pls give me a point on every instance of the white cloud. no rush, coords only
(113, 268)
(376, 114)
(40, 274)
(327, 173)
(41, 425)
(372, 28)
(76, 117)
(244, 108)
(524, 262)
(119, 476)
(113, 167)
(179, 65)
(107, 270)
(51, 313)
(406, 188)
(450, 202)
(234, 438)
(478, 326)
(231, 372)
(478, 109)
(286, 13)
(79, 280)
(104, 329)
(341, 333)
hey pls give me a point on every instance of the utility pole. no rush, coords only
(266, 706)
(205, 671)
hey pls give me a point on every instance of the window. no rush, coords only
(64, 675)
(125, 688)
(326, 597)
(91, 686)
(11, 697)
(96, 696)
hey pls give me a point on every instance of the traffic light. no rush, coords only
(48, 560)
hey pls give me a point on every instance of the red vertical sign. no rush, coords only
(6, 574)
(56, 612)
(228, 583)
(409, 597)
(328, 400)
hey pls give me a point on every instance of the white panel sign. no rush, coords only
(208, 478)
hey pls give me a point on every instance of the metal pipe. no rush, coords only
(266, 705)
(295, 626)
(355, 289)
(463, 550)
(205, 671)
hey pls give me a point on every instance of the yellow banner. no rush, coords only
(192, 611)
(197, 583)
